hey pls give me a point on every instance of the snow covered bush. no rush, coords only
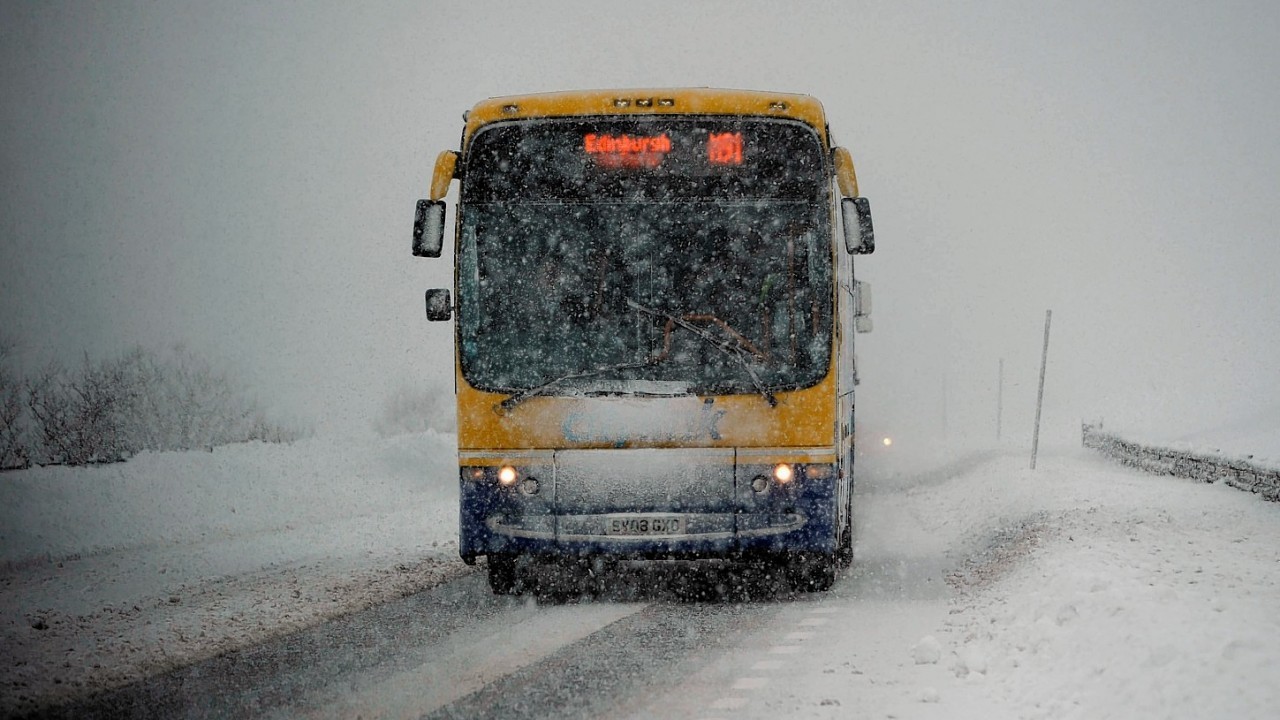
(13, 448)
(112, 409)
(77, 418)
(13, 441)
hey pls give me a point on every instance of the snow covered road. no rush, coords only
(980, 589)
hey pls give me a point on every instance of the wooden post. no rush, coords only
(999, 399)
(945, 427)
(1044, 359)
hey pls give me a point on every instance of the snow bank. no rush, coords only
(172, 498)
(1142, 597)
(111, 572)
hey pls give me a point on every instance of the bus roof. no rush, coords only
(648, 101)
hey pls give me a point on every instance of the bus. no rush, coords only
(654, 310)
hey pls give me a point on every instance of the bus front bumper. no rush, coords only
(709, 503)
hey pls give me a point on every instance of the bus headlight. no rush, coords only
(782, 472)
(507, 476)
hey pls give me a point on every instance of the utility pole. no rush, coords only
(999, 399)
(945, 427)
(1044, 359)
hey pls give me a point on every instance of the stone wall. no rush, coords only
(1240, 474)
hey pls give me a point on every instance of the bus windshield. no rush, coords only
(645, 255)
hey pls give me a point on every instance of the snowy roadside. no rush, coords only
(1089, 591)
(1146, 597)
(111, 573)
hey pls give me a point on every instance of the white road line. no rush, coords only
(467, 663)
(756, 683)
(750, 683)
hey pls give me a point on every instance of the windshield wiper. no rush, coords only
(734, 351)
(537, 390)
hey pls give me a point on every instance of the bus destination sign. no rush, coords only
(648, 151)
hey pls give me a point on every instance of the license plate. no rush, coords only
(645, 525)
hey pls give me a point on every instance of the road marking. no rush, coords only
(472, 660)
(750, 683)
(798, 636)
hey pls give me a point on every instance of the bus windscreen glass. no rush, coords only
(610, 255)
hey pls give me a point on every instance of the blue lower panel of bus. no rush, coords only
(638, 503)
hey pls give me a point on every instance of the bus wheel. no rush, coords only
(812, 572)
(844, 551)
(502, 574)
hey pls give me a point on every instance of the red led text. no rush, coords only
(627, 150)
(724, 148)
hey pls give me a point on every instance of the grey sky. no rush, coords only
(242, 178)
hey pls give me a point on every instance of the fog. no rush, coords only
(242, 179)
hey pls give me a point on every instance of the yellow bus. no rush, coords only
(654, 308)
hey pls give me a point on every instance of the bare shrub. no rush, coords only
(13, 442)
(76, 417)
(113, 409)
(180, 402)
(13, 437)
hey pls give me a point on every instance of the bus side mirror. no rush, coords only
(859, 235)
(439, 305)
(428, 228)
